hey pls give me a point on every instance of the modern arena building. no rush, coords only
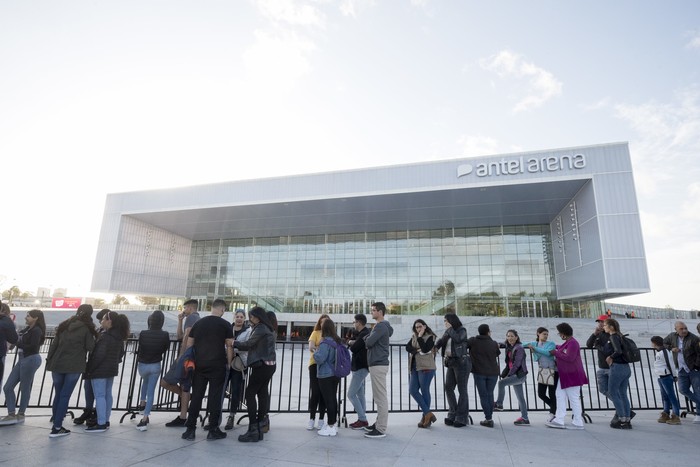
(542, 233)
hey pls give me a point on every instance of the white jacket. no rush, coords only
(660, 366)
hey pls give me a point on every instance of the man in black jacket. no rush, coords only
(686, 354)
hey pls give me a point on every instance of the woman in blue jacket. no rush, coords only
(547, 375)
(327, 381)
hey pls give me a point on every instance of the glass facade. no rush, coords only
(495, 271)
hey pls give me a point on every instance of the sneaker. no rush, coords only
(497, 408)
(371, 427)
(177, 422)
(551, 417)
(575, 427)
(310, 425)
(141, 409)
(553, 424)
(696, 419)
(143, 425)
(522, 422)
(8, 420)
(320, 425)
(327, 430)
(58, 432)
(20, 418)
(359, 425)
(230, 421)
(486, 423)
(674, 420)
(625, 426)
(189, 434)
(663, 418)
(375, 434)
(96, 429)
(215, 433)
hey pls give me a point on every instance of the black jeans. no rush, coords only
(550, 400)
(258, 387)
(214, 377)
(329, 391)
(236, 379)
(457, 376)
(315, 397)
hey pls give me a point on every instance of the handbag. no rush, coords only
(546, 376)
(237, 363)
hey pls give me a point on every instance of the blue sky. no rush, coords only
(102, 97)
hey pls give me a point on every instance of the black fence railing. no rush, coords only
(290, 384)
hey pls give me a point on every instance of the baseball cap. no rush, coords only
(601, 318)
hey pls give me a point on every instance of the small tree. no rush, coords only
(148, 301)
(119, 300)
(99, 303)
(11, 293)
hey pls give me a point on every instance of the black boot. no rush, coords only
(80, 420)
(265, 424)
(253, 435)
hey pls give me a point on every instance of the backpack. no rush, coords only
(630, 352)
(343, 361)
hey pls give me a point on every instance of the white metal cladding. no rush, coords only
(514, 189)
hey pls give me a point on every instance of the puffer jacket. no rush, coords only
(152, 345)
(260, 345)
(105, 358)
(68, 350)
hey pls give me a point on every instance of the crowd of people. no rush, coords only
(216, 356)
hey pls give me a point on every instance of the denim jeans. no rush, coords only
(23, 374)
(518, 385)
(458, 376)
(485, 386)
(688, 381)
(419, 387)
(149, 373)
(63, 384)
(89, 394)
(236, 379)
(215, 378)
(668, 395)
(618, 385)
(356, 393)
(102, 387)
(601, 377)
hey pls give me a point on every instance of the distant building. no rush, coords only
(60, 293)
(544, 233)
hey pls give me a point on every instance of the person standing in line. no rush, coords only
(212, 339)
(89, 416)
(421, 365)
(360, 370)
(597, 341)
(547, 375)
(666, 373)
(153, 343)
(572, 376)
(262, 359)
(686, 355)
(8, 335)
(170, 381)
(316, 401)
(237, 372)
(514, 374)
(28, 344)
(484, 353)
(377, 343)
(103, 366)
(458, 364)
(66, 360)
(325, 357)
(619, 379)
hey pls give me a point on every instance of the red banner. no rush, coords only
(66, 302)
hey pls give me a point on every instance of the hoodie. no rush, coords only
(378, 344)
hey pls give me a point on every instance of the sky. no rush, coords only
(101, 97)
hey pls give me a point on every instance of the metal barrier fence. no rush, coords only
(289, 387)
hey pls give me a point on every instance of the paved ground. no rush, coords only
(289, 444)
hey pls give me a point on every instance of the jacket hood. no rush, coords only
(156, 320)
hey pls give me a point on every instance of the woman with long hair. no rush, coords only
(619, 377)
(514, 374)
(571, 377)
(262, 361)
(103, 366)
(28, 361)
(328, 383)
(153, 343)
(458, 365)
(421, 366)
(547, 375)
(74, 338)
(316, 402)
(237, 372)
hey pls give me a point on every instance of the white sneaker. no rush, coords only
(8, 420)
(320, 425)
(696, 419)
(310, 425)
(328, 430)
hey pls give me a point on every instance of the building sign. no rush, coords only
(66, 302)
(521, 165)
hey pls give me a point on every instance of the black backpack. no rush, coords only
(630, 352)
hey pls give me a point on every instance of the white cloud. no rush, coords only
(598, 105)
(691, 205)
(355, 7)
(538, 84)
(478, 145)
(694, 42)
(292, 12)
